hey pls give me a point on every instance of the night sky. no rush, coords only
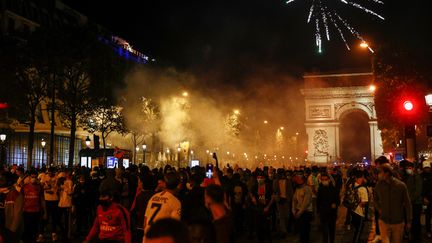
(230, 40)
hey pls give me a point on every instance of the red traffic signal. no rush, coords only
(408, 105)
(3, 105)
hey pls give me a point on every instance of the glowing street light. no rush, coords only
(43, 144)
(237, 112)
(185, 94)
(365, 45)
(144, 148)
(178, 156)
(88, 142)
(281, 128)
(265, 122)
(372, 88)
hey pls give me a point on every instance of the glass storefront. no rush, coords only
(17, 149)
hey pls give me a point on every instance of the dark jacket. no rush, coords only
(392, 201)
(326, 196)
(427, 186)
(289, 192)
(414, 186)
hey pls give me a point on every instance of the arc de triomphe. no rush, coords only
(329, 98)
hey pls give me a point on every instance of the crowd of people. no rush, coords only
(208, 204)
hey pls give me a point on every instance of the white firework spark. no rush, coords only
(323, 16)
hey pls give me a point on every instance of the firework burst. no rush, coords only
(321, 15)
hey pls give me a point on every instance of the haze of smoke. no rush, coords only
(201, 117)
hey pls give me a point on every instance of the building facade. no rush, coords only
(18, 19)
(341, 121)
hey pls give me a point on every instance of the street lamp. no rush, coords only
(2, 152)
(144, 147)
(178, 157)
(136, 153)
(43, 143)
(366, 45)
(88, 142)
(168, 154)
(208, 154)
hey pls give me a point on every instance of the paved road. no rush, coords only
(342, 234)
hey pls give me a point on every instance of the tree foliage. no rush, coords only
(400, 76)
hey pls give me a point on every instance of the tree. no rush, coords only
(90, 73)
(400, 75)
(26, 67)
(143, 119)
(104, 119)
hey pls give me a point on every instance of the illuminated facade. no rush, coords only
(329, 99)
(18, 18)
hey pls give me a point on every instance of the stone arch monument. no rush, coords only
(329, 98)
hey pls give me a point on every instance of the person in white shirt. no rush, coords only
(163, 204)
(358, 214)
(49, 183)
(302, 208)
(65, 186)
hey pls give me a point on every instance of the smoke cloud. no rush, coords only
(225, 118)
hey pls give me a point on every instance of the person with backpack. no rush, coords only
(355, 200)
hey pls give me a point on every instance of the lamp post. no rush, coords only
(87, 143)
(366, 45)
(144, 147)
(2, 152)
(428, 99)
(178, 157)
(136, 153)
(208, 154)
(168, 154)
(43, 143)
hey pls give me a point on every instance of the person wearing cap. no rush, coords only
(427, 195)
(302, 208)
(394, 205)
(414, 184)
